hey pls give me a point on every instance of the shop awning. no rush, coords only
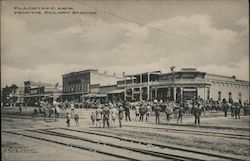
(94, 95)
(116, 91)
(102, 95)
(72, 93)
(37, 95)
(189, 89)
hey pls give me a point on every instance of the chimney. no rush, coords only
(114, 74)
(123, 74)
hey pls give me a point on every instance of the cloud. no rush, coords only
(123, 46)
(244, 24)
(50, 73)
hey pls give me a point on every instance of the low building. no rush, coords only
(86, 83)
(37, 91)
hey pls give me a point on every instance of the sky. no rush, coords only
(124, 36)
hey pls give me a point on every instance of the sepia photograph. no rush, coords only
(137, 80)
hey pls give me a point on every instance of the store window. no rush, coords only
(219, 95)
(239, 96)
(230, 97)
(208, 93)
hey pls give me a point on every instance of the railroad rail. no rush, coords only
(157, 144)
(72, 145)
(196, 132)
(207, 126)
(138, 150)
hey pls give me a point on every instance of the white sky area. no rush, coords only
(212, 36)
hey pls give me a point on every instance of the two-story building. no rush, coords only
(87, 84)
(9, 95)
(188, 83)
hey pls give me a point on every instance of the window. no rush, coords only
(240, 95)
(230, 97)
(208, 93)
(219, 95)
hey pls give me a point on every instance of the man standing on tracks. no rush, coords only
(120, 114)
(106, 112)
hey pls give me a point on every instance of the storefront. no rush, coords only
(116, 95)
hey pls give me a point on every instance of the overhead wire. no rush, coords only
(160, 30)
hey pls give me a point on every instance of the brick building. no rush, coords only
(87, 83)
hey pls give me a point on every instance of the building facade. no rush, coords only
(186, 84)
(9, 95)
(86, 83)
(37, 91)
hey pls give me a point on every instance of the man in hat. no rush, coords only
(77, 119)
(127, 111)
(149, 110)
(120, 113)
(68, 119)
(169, 111)
(72, 107)
(137, 113)
(180, 113)
(157, 113)
(106, 112)
(20, 108)
(197, 113)
(113, 113)
(98, 116)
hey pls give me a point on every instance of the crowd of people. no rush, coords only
(109, 113)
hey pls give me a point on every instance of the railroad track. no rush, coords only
(196, 132)
(71, 145)
(220, 156)
(16, 116)
(205, 126)
(137, 151)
